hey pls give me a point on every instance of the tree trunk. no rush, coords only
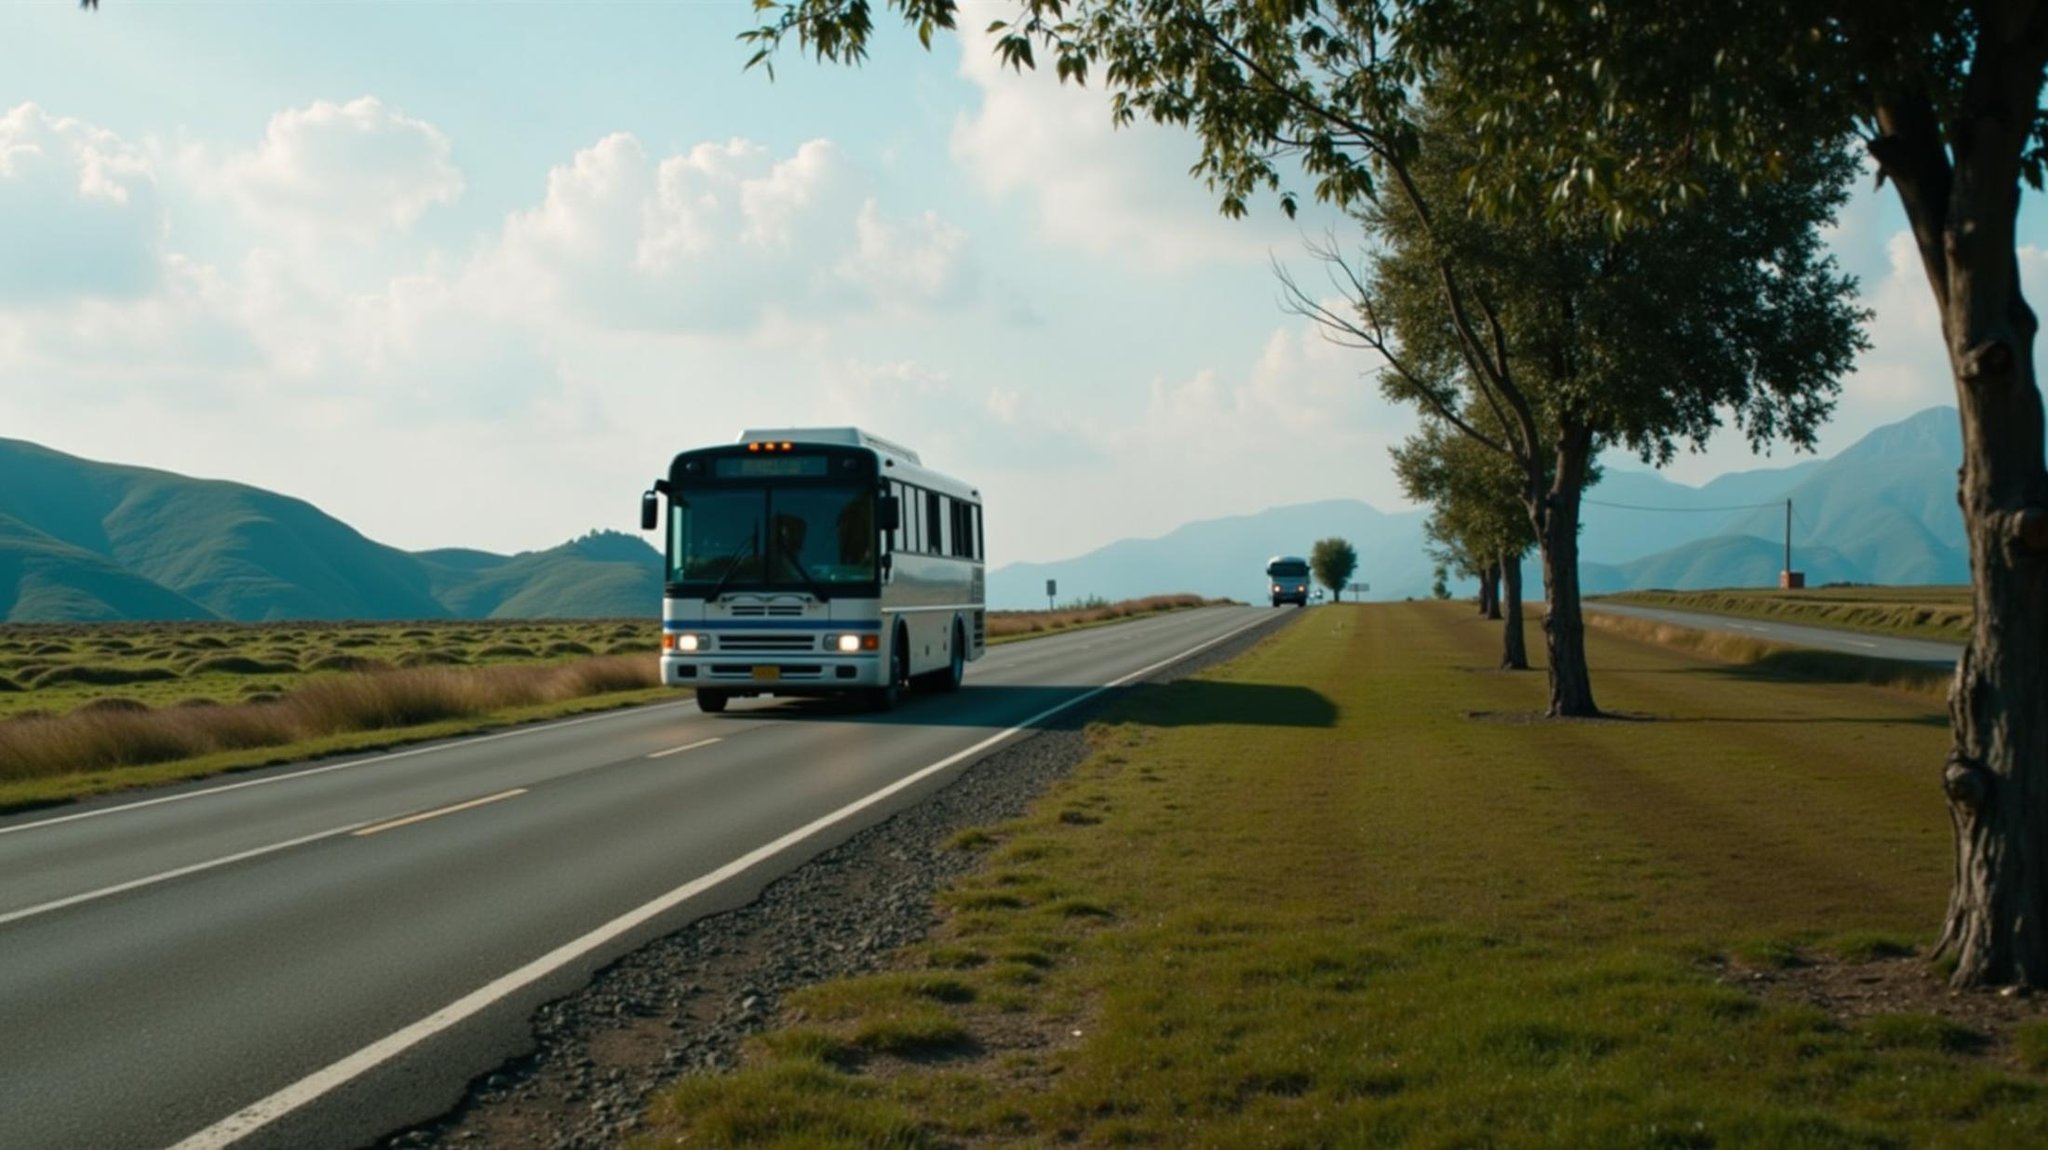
(1996, 773)
(1514, 648)
(1489, 592)
(1557, 531)
(1961, 195)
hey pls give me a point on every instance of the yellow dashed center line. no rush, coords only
(423, 816)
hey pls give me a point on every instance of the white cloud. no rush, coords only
(721, 237)
(1115, 192)
(79, 212)
(338, 171)
(1299, 422)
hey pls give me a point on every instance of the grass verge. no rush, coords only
(1418, 914)
(1756, 658)
(1939, 613)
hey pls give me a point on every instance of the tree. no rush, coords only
(1334, 561)
(1546, 339)
(1946, 96)
(1476, 514)
(1343, 92)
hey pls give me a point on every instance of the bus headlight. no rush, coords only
(687, 643)
(852, 644)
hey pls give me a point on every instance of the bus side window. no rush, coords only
(898, 534)
(934, 542)
(913, 519)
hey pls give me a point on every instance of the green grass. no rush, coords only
(1938, 613)
(1419, 916)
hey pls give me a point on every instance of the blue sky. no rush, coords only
(467, 274)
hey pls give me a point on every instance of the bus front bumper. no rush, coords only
(809, 673)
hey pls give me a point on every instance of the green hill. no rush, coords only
(43, 578)
(604, 575)
(86, 540)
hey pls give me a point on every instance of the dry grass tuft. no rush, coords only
(97, 738)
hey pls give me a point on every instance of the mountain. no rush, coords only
(45, 578)
(1881, 511)
(604, 575)
(1227, 557)
(81, 540)
(239, 552)
(86, 540)
(1630, 514)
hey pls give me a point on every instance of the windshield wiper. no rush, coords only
(811, 583)
(732, 562)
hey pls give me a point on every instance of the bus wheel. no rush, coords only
(956, 667)
(711, 702)
(885, 698)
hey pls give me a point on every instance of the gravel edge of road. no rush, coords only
(684, 1003)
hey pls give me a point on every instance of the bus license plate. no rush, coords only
(767, 674)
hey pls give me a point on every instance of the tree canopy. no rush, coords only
(1334, 561)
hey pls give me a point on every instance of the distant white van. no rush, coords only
(1287, 576)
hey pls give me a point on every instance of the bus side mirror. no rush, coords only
(888, 513)
(650, 511)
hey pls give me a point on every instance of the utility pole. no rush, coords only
(1788, 579)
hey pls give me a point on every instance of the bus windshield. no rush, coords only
(1286, 569)
(796, 538)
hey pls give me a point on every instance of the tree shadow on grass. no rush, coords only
(1204, 702)
(1831, 668)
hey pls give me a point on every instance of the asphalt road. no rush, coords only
(1820, 638)
(311, 956)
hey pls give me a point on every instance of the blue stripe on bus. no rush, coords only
(772, 624)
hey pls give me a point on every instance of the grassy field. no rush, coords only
(1940, 613)
(89, 709)
(1349, 890)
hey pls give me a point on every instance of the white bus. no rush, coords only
(816, 561)
(1287, 577)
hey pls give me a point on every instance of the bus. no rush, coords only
(1287, 578)
(816, 561)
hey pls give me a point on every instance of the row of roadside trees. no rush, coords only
(1578, 226)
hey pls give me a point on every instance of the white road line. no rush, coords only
(256, 1116)
(423, 816)
(685, 747)
(179, 798)
(166, 876)
(1860, 643)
